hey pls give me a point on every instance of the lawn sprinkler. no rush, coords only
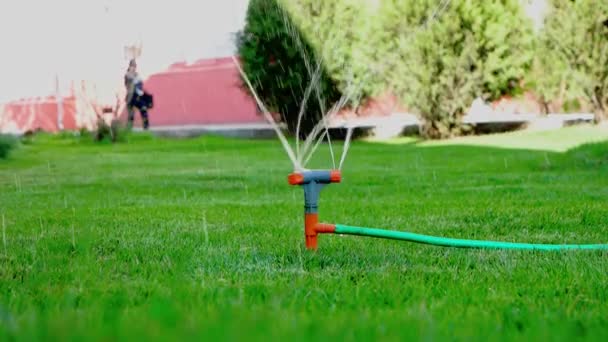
(313, 181)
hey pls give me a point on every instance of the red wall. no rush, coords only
(206, 92)
(34, 114)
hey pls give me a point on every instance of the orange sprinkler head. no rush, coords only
(335, 176)
(295, 178)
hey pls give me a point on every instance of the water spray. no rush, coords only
(313, 181)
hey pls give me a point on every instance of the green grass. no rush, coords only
(202, 239)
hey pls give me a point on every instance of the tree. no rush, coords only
(303, 56)
(448, 53)
(575, 40)
(282, 64)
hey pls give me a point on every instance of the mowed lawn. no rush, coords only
(203, 239)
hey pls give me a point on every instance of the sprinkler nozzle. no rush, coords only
(295, 178)
(312, 182)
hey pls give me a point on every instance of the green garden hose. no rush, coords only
(459, 243)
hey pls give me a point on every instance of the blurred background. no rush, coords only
(438, 68)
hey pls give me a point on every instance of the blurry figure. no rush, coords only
(136, 96)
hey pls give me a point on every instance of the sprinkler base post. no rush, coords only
(310, 233)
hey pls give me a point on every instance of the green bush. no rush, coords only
(114, 132)
(573, 46)
(284, 42)
(547, 78)
(7, 142)
(341, 32)
(443, 59)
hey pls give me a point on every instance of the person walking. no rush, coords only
(136, 97)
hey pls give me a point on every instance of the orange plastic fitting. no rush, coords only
(295, 178)
(312, 228)
(335, 176)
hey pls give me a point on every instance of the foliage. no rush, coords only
(547, 77)
(436, 55)
(7, 143)
(448, 53)
(284, 43)
(341, 32)
(574, 46)
(281, 64)
(115, 131)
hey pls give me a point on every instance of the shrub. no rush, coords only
(113, 132)
(446, 58)
(574, 46)
(282, 45)
(7, 142)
